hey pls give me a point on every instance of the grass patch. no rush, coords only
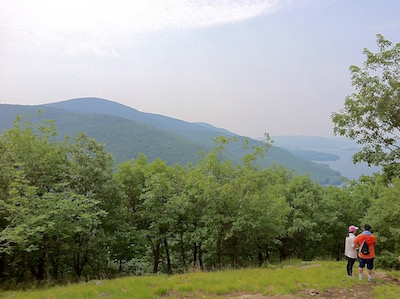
(394, 274)
(391, 291)
(387, 290)
(285, 279)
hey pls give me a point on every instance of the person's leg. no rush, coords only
(350, 264)
(361, 267)
(369, 275)
(353, 261)
(348, 267)
(360, 273)
(370, 266)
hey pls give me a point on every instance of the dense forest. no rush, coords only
(66, 214)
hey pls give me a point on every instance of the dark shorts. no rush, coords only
(368, 262)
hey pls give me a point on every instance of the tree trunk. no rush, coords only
(98, 265)
(46, 242)
(80, 263)
(77, 265)
(219, 253)
(182, 247)
(197, 255)
(200, 257)
(55, 264)
(169, 268)
(40, 271)
(156, 257)
(194, 254)
(2, 266)
(26, 266)
(260, 258)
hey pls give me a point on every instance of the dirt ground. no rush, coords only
(358, 291)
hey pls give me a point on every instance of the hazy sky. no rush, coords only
(277, 66)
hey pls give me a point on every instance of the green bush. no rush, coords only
(387, 260)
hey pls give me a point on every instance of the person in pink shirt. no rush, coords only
(350, 250)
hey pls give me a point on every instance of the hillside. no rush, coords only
(124, 138)
(196, 132)
(127, 131)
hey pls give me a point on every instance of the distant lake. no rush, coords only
(345, 164)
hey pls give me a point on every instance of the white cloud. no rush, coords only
(75, 27)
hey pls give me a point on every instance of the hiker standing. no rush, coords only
(366, 252)
(350, 250)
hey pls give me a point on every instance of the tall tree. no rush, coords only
(196, 206)
(371, 114)
(384, 216)
(304, 198)
(155, 212)
(129, 243)
(220, 198)
(262, 215)
(90, 174)
(32, 166)
(54, 200)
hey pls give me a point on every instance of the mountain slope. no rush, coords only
(124, 138)
(197, 132)
(127, 131)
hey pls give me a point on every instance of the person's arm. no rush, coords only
(355, 243)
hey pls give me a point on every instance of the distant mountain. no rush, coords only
(123, 137)
(197, 132)
(127, 131)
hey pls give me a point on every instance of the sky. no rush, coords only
(276, 66)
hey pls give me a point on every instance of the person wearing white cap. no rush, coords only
(350, 251)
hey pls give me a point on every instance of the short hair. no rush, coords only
(367, 227)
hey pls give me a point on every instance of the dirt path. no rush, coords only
(364, 291)
(359, 291)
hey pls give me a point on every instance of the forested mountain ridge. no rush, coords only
(197, 132)
(124, 138)
(127, 132)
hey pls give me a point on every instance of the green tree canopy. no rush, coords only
(371, 115)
